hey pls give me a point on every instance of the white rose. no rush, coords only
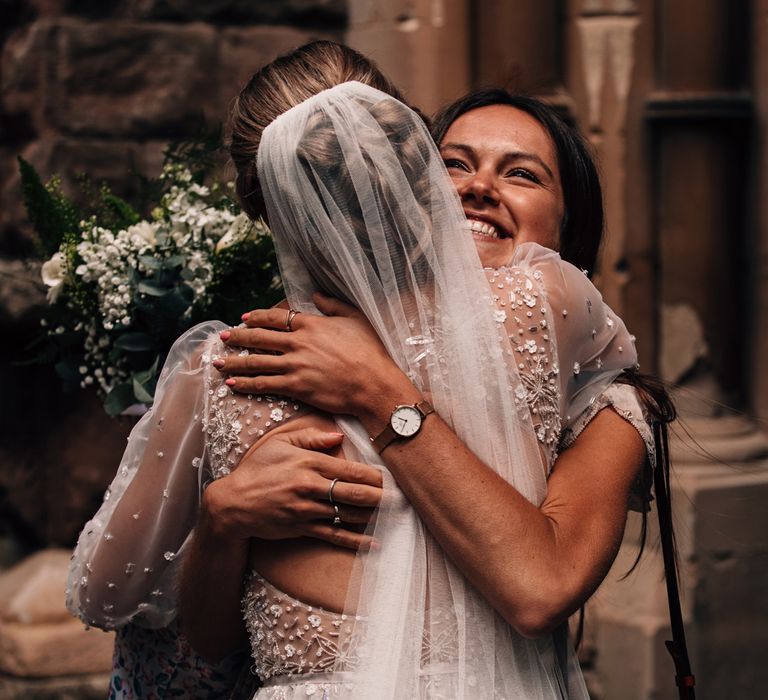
(240, 226)
(145, 230)
(52, 273)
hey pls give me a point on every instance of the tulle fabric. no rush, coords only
(127, 557)
(361, 207)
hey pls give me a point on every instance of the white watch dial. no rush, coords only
(405, 421)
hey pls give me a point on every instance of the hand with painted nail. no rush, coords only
(279, 490)
(332, 362)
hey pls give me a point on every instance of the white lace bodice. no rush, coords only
(126, 561)
(289, 637)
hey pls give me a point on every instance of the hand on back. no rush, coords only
(280, 491)
(334, 363)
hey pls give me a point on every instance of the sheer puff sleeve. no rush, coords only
(126, 559)
(568, 344)
(126, 562)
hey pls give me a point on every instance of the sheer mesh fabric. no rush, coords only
(127, 558)
(361, 207)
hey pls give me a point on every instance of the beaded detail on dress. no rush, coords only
(560, 334)
(235, 421)
(523, 315)
(289, 637)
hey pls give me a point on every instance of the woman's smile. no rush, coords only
(509, 185)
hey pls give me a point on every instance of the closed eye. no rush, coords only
(455, 163)
(522, 172)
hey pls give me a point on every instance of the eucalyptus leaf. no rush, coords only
(152, 288)
(119, 398)
(135, 342)
(68, 371)
(150, 262)
(148, 375)
(173, 261)
(140, 392)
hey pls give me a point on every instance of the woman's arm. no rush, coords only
(126, 555)
(278, 491)
(535, 565)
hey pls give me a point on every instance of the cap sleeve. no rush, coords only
(623, 399)
(568, 344)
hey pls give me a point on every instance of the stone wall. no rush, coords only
(101, 87)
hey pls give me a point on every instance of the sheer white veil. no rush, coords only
(362, 208)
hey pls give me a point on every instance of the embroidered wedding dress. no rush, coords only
(517, 360)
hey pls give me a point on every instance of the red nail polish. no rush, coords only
(218, 364)
(230, 382)
(224, 335)
(245, 316)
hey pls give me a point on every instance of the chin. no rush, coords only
(495, 253)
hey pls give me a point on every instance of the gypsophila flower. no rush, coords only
(122, 288)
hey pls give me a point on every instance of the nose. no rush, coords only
(480, 187)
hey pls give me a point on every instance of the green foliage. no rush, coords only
(244, 278)
(53, 215)
(129, 287)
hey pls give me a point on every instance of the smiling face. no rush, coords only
(504, 166)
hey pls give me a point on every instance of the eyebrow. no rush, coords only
(512, 155)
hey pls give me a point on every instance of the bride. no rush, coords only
(362, 209)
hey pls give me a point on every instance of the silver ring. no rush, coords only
(292, 313)
(336, 517)
(330, 493)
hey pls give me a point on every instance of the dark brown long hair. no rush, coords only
(581, 231)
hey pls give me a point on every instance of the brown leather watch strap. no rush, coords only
(384, 438)
(388, 435)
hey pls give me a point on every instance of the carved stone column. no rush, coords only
(422, 45)
(759, 317)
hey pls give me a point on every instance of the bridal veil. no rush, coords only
(361, 208)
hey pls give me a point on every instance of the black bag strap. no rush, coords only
(677, 647)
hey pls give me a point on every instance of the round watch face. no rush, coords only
(405, 421)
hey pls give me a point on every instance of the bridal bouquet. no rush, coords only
(121, 288)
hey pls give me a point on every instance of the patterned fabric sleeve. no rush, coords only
(126, 562)
(127, 556)
(623, 399)
(568, 344)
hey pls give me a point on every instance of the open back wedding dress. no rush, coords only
(516, 360)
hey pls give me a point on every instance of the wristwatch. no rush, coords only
(404, 422)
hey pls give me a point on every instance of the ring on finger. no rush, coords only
(292, 313)
(336, 517)
(330, 493)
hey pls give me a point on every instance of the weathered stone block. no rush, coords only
(316, 12)
(632, 662)
(113, 162)
(55, 649)
(55, 486)
(31, 591)
(90, 687)
(243, 51)
(25, 77)
(719, 510)
(38, 638)
(20, 289)
(141, 80)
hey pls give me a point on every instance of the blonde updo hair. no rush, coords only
(280, 85)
